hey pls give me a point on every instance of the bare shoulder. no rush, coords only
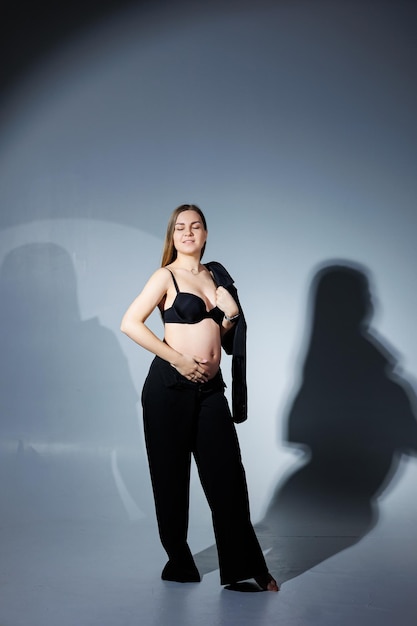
(160, 277)
(159, 282)
(151, 295)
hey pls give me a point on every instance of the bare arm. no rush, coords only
(133, 325)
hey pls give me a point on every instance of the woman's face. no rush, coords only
(189, 233)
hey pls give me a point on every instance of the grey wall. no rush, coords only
(292, 124)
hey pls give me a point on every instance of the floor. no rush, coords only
(98, 573)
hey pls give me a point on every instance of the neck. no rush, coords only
(190, 263)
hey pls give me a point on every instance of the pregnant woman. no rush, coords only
(185, 410)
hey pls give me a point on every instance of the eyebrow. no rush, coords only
(183, 223)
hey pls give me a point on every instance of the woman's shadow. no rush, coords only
(352, 415)
(70, 443)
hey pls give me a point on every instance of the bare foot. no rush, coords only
(267, 582)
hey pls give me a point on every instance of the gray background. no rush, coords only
(293, 126)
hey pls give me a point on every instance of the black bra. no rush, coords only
(188, 308)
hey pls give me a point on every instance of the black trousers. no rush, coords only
(182, 418)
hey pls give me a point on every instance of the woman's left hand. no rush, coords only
(226, 303)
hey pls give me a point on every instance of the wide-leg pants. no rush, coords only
(182, 418)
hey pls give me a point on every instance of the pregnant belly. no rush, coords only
(201, 341)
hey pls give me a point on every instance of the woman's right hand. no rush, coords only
(191, 367)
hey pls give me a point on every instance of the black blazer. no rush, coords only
(234, 343)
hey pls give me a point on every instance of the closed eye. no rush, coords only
(181, 225)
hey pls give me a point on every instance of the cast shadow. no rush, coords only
(70, 440)
(353, 416)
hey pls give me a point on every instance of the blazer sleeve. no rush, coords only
(234, 343)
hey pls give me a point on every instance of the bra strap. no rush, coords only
(173, 278)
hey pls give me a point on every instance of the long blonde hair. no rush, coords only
(169, 253)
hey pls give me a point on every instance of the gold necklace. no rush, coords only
(194, 270)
